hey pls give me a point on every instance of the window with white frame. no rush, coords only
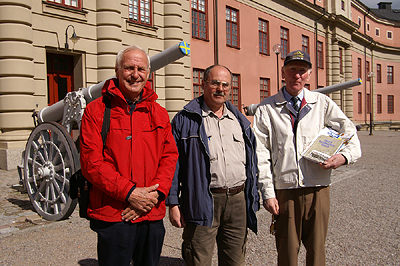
(199, 19)
(264, 88)
(140, 11)
(197, 79)
(389, 34)
(377, 32)
(232, 27)
(67, 3)
(234, 96)
(284, 42)
(263, 36)
(305, 43)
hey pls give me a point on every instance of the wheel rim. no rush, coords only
(50, 159)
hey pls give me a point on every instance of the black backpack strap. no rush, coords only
(106, 120)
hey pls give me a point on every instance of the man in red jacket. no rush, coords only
(132, 173)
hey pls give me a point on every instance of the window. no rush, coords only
(389, 35)
(341, 60)
(305, 42)
(359, 21)
(263, 36)
(320, 55)
(197, 78)
(360, 103)
(390, 104)
(264, 88)
(284, 42)
(342, 4)
(367, 26)
(232, 29)
(367, 70)
(390, 74)
(359, 67)
(140, 11)
(377, 32)
(368, 103)
(379, 103)
(378, 73)
(199, 19)
(67, 3)
(234, 96)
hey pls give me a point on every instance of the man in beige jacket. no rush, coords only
(296, 190)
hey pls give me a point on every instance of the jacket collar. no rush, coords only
(309, 96)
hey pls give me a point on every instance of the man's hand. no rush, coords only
(143, 199)
(271, 205)
(333, 162)
(130, 214)
(176, 217)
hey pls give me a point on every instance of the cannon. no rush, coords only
(51, 155)
(251, 109)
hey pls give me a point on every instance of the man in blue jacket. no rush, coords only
(214, 191)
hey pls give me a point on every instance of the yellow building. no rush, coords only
(39, 63)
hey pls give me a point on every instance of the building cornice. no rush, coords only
(366, 40)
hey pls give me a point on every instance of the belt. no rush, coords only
(228, 191)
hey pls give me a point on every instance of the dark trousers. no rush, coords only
(303, 218)
(119, 243)
(228, 230)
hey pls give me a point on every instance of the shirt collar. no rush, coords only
(206, 111)
(288, 97)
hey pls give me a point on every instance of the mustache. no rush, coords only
(219, 94)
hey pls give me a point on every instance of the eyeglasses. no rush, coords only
(272, 228)
(216, 83)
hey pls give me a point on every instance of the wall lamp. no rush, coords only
(73, 38)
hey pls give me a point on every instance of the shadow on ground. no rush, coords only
(23, 204)
(164, 261)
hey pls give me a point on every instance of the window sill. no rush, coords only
(140, 29)
(63, 11)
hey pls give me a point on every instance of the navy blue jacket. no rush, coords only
(191, 184)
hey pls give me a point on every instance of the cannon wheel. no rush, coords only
(51, 157)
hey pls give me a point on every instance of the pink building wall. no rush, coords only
(246, 60)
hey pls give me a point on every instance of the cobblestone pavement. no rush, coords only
(364, 227)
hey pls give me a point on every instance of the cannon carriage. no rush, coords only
(51, 154)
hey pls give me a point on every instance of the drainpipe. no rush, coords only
(216, 53)
(316, 44)
(365, 66)
(366, 75)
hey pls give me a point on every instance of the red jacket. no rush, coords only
(140, 151)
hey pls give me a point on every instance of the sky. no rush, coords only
(374, 3)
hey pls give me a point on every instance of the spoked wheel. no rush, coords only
(50, 159)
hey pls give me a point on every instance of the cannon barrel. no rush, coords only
(171, 54)
(251, 109)
(340, 86)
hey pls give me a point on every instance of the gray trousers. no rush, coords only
(228, 230)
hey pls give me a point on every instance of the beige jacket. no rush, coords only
(280, 164)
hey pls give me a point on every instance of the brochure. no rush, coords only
(327, 143)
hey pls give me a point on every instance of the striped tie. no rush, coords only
(296, 103)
